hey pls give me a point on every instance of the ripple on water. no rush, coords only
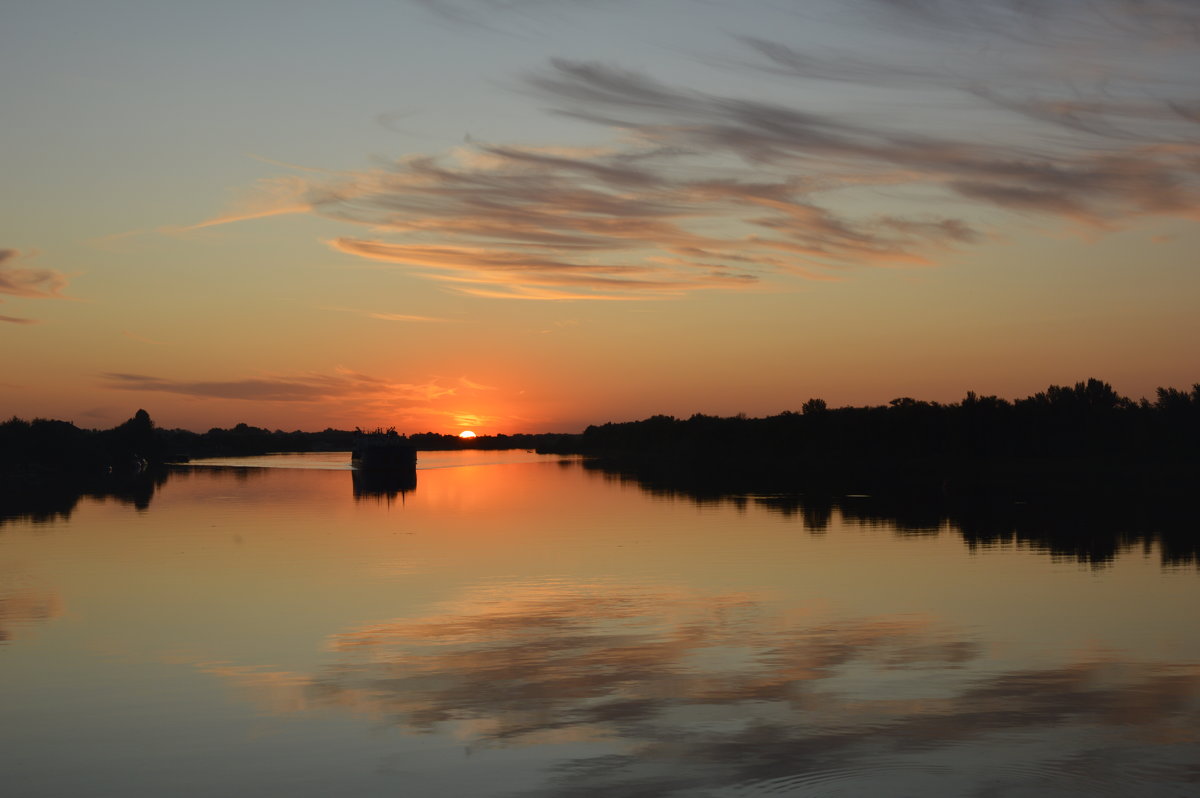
(846, 781)
(901, 779)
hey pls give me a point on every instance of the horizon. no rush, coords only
(1195, 387)
(466, 215)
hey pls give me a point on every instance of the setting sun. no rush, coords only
(466, 434)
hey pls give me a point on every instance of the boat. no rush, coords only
(383, 451)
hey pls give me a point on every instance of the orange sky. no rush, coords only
(453, 214)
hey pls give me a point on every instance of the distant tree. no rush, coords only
(974, 402)
(133, 443)
(1173, 400)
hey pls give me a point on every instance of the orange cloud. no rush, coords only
(344, 397)
(269, 197)
(296, 388)
(388, 316)
(26, 282)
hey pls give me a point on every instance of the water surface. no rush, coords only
(516, 625)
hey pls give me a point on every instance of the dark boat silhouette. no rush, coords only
(383, 451)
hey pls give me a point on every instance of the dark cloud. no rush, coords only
(1061, 22)
(841, 67)
(302, 388)
(1143, 174)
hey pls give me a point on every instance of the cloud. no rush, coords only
(1097, 182)
(781, 59)
(372, 401)
(475, 386)
(277, 196)
(529, 273)
(370, 314)
(965, 117)
(608, 224)
(546, 295)
(1159, 22)
(18, 320)
(26, 282)
(298, 388)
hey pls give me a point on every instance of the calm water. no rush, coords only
(517, 626)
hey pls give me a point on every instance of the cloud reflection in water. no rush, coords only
(687, 694)
(23, 607)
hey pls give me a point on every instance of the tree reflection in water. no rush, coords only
(1081, 521)
(56, 500)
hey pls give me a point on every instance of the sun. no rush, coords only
(466, 434)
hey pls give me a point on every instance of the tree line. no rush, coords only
(1088, 422)
(43, 449)
(1062, 433)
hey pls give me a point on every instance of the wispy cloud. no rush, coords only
(520, 223)
(294, 388)
(371, 314)
(1082, 112)
(269, 197)
(1098, 181)
(1161, 22)
(27, 282)
(18, 320)
(475, 386)
(432, 403)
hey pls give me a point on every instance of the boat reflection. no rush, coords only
(383, 484)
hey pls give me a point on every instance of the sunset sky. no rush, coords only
(532, 215)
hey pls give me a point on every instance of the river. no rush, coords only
(512, 624)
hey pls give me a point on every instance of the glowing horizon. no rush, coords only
(547, 223)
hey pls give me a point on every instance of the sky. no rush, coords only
(535, 215)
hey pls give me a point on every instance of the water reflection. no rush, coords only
(531, 630)
(1090, 527)
(56, 500)
(385, 485)
(23, 607)
(678, 693)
